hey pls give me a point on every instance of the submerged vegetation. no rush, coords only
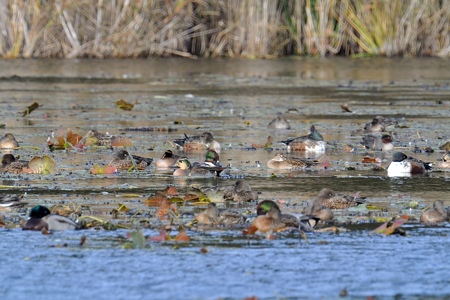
(223, 28)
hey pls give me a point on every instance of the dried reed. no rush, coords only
(232, 28)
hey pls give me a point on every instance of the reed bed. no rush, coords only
(223, 28)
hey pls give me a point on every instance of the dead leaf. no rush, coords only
(99, 170)
(121, 141)
(30, 108)
(389, 227)
(182, 237)
(161, 237)
(41, 165)
(122, 104)
(345, 107)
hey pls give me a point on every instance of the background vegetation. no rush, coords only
(223, 28)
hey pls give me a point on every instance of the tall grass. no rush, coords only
(223, 28)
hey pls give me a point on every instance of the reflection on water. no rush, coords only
(234, 100)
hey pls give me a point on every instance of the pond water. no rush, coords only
(234, 100)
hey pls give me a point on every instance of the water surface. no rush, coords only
(234, 100)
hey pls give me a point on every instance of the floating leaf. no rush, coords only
(69, 141)
(30, 108)
(390, 227)
(138, 239)
(41, 165)
(82, 240)
(182, 237)
(98, 170)
(161, 237)
(171, 191)
(345, 107)
(122, 104)
(157, 199)
(121, 141)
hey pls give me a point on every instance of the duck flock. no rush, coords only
(268, 219)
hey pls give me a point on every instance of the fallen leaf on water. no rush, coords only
(157, 199)
(121, 141)
(137, 240)
(390, 227)
(82, 240)
(30, 108)
(182, 237)
(161, 237)
(122, 104)
(41, 165)
(99, 170)
(66, 142)
(345, 107)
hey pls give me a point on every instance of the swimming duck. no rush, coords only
(213, 216)
(122, 161)
(11, 202)
(40, 218)
(168, 160)
(199, 142)
(378, 142)
(332, 200)
(211, 158)
(267, 224)
(279, 123)
(95, 138)
(8, 141)
(281, 162)
(445, 163)
(312, 142)
(436, 215)
(305, 222)
(240, 192)
(210, 216)
(185, 168)
(12, 165)
(379, 124)
(402, 165)
(318, 210)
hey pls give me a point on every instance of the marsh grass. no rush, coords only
(223, 28)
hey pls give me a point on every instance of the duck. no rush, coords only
(209, 216)
(95, 138)
(281, 162)
(436, 215)
(213, 216)
(313, 142)
(168, 160)
(41, 218)
(300, 221)
(332, 200)
(267, 224)
(240, 192)
(185, 168)
(12, 165)
(198, 142)
(379, 124)
(8, 141)
(445, 162)
(378, 142)
(402, 165)
(122, 161)
(11, 202)
(279, 123)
